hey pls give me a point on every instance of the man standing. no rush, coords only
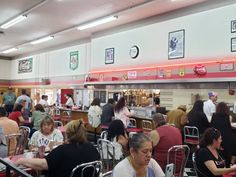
(27, 101)
(44, 103)
(107, 112)
(9, 99)
(209, 106)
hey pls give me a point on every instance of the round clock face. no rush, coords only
(134, 51)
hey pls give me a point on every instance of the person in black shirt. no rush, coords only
(209, 161)
(107, 112)
(61, 160)
(196, 117)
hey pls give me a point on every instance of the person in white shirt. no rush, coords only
(69, 102)
(209, 106)
(44, 103)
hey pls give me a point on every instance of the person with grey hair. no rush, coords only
(163, 138)
(139, 162)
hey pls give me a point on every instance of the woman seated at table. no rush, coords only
(61, 160)
(209, 161)
(139, 163)
(118, 136)
(47, 131)
(16, 114)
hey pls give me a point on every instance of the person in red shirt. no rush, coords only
(16, 115)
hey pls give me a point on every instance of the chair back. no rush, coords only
(107, 152)
(133, 122)
(191, 135)
(169, 170)
(91, 169)
(178, 155)
(147, 125)
(25, 129)
(107, 174)
(104, 134)
(16, 143)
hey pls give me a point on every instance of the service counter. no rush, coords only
(79, 114)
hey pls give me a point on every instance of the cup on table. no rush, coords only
(41, 150)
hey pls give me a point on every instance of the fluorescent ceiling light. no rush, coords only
(9, 50)
(97, 22)
(42, 40)
(13, 21)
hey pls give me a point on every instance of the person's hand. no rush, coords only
(233, 167)
(18, 162)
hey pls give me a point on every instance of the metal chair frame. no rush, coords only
(104, 134)
(58, 123)
(96, 166)
(191, 135)
(107, 152)
(107, 174)
(176, 150)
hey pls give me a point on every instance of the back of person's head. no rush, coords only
(197, 107)
(115, 129)
(3, 112)
(111, 101)
(47, 119)
(23, 91)
(96, 102)
(69, 95)
(209, 135)
(120, 104)
(159, 119)
(137, 140)
(39, 107)
(76, 132)
(222, 108)
(182, 107)
(17, 107)
(44, 97)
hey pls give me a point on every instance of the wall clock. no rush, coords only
(134, 52)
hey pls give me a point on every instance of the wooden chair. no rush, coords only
(147, 125)
(91, 169)
(178, 155)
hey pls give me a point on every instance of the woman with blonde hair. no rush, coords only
(61, 160)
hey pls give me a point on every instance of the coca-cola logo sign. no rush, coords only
(200, 70)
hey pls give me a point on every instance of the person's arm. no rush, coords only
(21, 119)
(155, 137)
(35, 163)
(218, 171)
(126, 112)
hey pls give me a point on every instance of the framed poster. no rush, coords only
(74, 60)
(25, 66)
(176, 44)
(233, 44)
(233, 26)
(109, 56)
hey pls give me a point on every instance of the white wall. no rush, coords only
(207, 36)
(54, 63)
(5, 69)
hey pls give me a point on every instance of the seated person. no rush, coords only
(163, 138)
(16, 114)
(3, 144)
(209, 161)
(61, 160)
(118, 136)
(46, 131)
(139, 162)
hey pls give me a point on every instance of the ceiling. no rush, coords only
(61, 17)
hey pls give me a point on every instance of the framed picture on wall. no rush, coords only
(233, 44)
(109, 56)
(176, 44)
(25, 65)
(233, 26)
